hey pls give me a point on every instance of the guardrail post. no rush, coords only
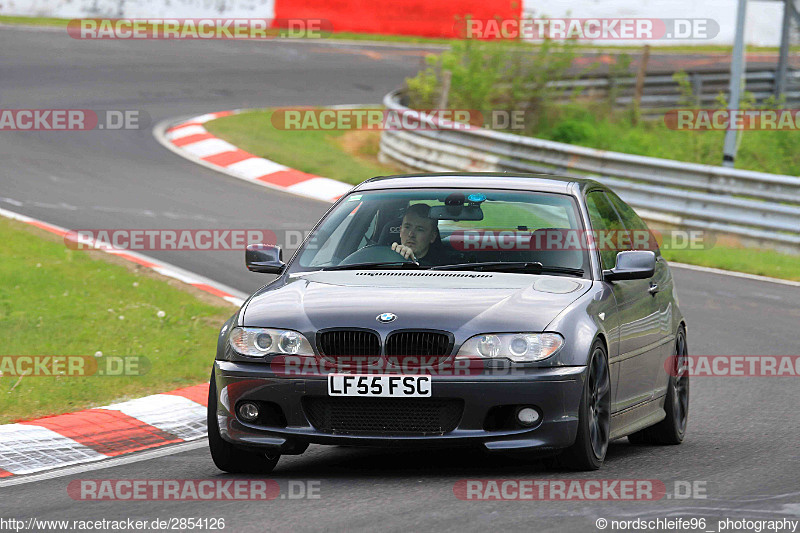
(445, 92)
(697, 88)
(783, 56)
(737, 69)
(640, 76)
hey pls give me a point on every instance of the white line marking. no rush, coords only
(25, 449)
(209, 147)
(323, 188)
(234, 300)
(170, 273)
(107, 463)
(185, 131)
(168, 412)
(732, 273)
(255, 167)
(206, 118)
(158, 133)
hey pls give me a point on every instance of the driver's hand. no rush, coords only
(405, 251)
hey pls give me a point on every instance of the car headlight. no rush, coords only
(260, 342)
(518, 347)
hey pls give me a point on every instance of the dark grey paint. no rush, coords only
(637, 326)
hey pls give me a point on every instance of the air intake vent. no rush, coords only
(418, 348)
(349, 346)
(423, 274)
(384, 416)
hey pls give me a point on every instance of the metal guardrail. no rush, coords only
(661, 91)
(752, 205)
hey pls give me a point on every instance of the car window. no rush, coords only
(605, 224)
(641, 237)
(511, 215)
(369, 236)
(469, 226)
(324, 246)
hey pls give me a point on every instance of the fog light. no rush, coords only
(248, 411)
(528, 416)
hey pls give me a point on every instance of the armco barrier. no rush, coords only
(751, 205)
(661, 92)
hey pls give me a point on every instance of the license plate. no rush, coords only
(379, 386)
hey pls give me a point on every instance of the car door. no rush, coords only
(638, 327)
(660, 289)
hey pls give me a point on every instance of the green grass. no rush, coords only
(752, 261)
(57, 301)
(765, 151)
(313, 151)
(33, 21)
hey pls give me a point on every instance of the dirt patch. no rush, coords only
(364, 145)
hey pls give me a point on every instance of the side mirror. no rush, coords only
(264, 258)
(633, 264)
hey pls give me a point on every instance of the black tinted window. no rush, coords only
(640, 236)
(606, 225)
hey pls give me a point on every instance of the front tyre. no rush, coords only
(672, 429)
(594, 415)
(226, 456)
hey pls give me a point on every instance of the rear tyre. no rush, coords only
(228, 457)
(672, 429)
(594, 414)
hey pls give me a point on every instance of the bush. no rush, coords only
(573, 131)
(491, 76)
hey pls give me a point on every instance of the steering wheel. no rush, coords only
(374, 253)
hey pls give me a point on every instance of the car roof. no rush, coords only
(485, 180)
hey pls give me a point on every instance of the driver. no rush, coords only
(419, 237)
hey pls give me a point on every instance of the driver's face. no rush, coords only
(417, 233)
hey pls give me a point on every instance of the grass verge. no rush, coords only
(33, 21)
(352, 157)
(764, 151)
(349, 156)
(57, 301)
(752, 261)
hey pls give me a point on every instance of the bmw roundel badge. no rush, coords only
(386, 317)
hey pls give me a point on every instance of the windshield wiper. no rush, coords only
(389, 264)
(518, 266)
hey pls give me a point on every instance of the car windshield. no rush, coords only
(448, 229)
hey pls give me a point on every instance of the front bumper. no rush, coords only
(555, 391)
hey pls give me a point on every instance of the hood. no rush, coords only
(464, 303)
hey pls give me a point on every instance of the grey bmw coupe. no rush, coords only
(517, 313)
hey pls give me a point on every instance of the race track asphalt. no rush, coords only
(743, 432)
